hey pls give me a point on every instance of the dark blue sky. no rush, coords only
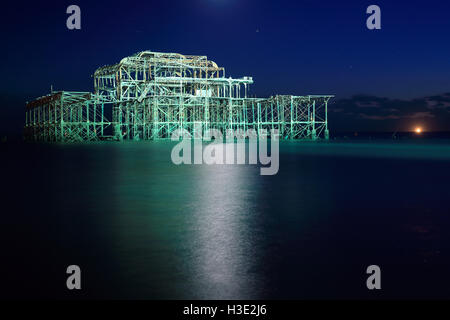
(289, 47)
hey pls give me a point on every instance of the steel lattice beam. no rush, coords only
(151, 94)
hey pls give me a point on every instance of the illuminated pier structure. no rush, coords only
(150, 94)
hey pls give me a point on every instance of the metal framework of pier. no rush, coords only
(150, 94)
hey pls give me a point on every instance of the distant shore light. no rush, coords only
(418, 130)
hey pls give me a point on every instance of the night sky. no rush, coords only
(384, 80)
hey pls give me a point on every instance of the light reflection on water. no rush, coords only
(224, 231)
(142, 227)
(184, 229)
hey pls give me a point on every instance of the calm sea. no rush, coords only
(141, 227)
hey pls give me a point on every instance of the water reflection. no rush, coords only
(187, 231)
(224, 238)
(142, 227)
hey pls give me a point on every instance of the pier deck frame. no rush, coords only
(151, 94)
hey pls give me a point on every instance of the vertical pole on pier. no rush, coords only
(327, 133)
(313, 131)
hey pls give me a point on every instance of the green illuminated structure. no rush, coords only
(151, 94)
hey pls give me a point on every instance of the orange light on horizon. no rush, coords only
(418, 130)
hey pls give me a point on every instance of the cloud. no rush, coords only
(368, 104)
(418, 115)
(376, 108)
(368, 112)
(375, 117)
(415, 115)
(438, 102)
